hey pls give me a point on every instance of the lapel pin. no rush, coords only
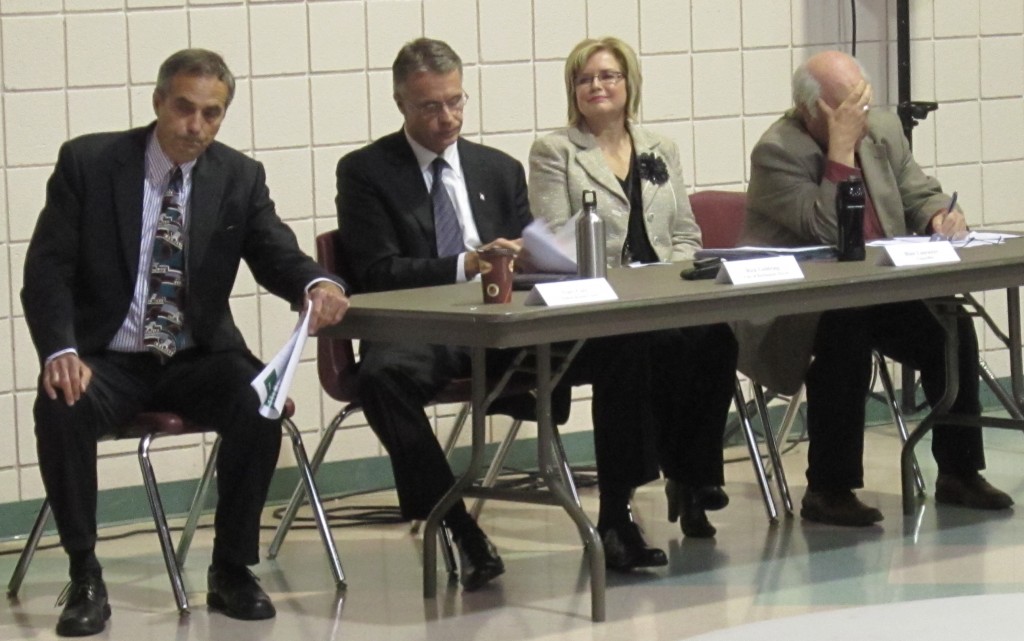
(482, 197)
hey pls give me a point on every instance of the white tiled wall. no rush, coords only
(314, 83)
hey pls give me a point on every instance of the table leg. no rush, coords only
(478, 356)
(550, 466)
(945, 312)
(1014, 332)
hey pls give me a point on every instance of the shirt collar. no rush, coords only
(159, 166)
(424, 156)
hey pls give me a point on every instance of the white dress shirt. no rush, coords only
(455, 184)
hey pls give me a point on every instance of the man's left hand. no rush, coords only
(328, 304)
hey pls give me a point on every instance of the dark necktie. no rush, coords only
(164, 321)
(446, 221)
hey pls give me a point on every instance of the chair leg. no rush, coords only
(497, 463)
(198, 503)
(306, 473)
(160, 518)
(326, 438)
(897, 416)
(755, 453)
(1005, 398)
(460, 422)
(789, 418)
(774, 456)
(31, 544)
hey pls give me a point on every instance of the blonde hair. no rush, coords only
(626, 57)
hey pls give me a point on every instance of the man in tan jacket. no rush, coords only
(832, 134)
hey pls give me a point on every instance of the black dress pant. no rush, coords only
(839, 376)
(659, 399)
(208, 388)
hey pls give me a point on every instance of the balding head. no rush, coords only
(822, 88)
(829, 75)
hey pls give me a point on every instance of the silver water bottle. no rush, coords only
(590, 242)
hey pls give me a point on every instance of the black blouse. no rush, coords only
(637, 247)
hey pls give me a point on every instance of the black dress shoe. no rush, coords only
(691, 503)
(478, 560)
(626, 549)
(236, 592)
(971, 491)
(85, 607)
(838, 507)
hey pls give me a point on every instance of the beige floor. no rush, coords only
(809, 581)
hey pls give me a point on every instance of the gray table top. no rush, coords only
(655, 297)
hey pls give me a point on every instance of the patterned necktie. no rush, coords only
(446, 221)
(164, 321)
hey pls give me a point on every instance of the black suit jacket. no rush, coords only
(387, 222)
(83, 257)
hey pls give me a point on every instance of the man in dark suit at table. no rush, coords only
(126, 288)
(414, 209)
(830, 135)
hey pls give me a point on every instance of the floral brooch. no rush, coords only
(652, 168)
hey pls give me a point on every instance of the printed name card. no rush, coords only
(571, 292)
(905, 254)
(759, 270)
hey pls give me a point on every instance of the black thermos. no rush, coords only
(850, 211)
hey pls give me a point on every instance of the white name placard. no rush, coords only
(571, 292)
(759, 270)
(904, 254)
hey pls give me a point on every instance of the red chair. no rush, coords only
(720, 215)
(148, 426)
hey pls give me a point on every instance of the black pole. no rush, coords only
(909, 111)
(903, 66)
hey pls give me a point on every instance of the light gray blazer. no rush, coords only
(789, 204)
(568, 161)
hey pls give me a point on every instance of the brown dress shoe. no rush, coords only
(970, 491)
(838, 507)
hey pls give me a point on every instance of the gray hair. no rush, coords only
(195, 62)
(423, 54)
(807, 88)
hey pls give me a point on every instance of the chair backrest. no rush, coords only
(335, 358)
(719, 215)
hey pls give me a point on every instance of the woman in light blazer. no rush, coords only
(641, 196)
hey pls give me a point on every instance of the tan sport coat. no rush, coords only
(568, 161)
(790, 204)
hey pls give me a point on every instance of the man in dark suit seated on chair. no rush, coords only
(832, 133)
(126, 289)
(414, 208)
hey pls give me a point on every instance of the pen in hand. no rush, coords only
(942, 234)
(951, 205)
